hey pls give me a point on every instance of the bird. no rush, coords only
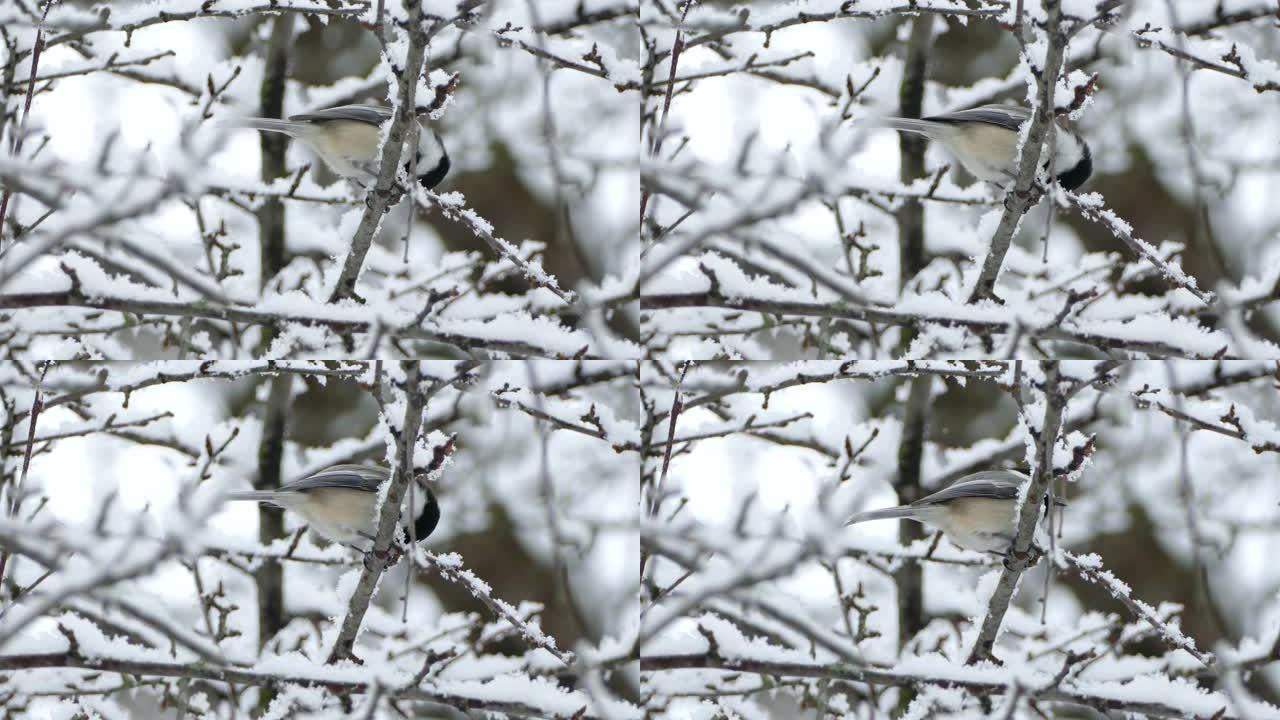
(985, 141)
(348, 137)
(338, 503)
(975, 512)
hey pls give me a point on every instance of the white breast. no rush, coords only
(986, 151)
(982, 524)
(989, 152)
(348, 147)
(339, 514)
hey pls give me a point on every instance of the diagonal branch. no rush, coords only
(384, 193)
(1091, 208)
(532, 270)
(450, 568)
(379, 558)
(1025, 193)
(1089, 567)
(1021, 554)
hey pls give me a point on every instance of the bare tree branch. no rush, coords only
(1024, 192)
(379, 558)
(1022, 555)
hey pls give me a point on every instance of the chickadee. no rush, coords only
(338, 502)
(347, 139)
(985, 141)
(975, 512)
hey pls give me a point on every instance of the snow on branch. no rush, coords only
(1229, 58)
(1090, 568)
(1091, 207)
(450, 568)
(404, 128)
(79, 23)
(1025, 191)
(1146, 698)
(158, 199)
(74, 632)
(538, 697)
(379, 558)
(1022, 553)
(756, 597)
(766, 213)
(335, 322)
(1149, 335)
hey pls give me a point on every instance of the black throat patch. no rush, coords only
(1077, 174)
(432, 177)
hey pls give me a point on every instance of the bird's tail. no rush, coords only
(902, 511)
(254, 495)
(288, 127)
(927, 128)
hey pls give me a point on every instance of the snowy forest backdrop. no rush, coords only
(119, 555)
(773, 228)
(138, 224)
(757, 602)
(669, 320)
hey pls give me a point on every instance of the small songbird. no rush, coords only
(348, 137)
(338, 502)
(975, 512)
(985, 141)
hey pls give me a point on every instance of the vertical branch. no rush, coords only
(20, 134)
(908, 578)
(1201, 546)
(269, 577)
(15, 490)
(1022, 554)
(910, 217)
(659, 134)
(271, 236)
(8, 483)
(566, 239)
(1201, 234)
(379, 558)
(655, 499)
(1025, 193)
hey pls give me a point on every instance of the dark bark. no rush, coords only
(909, 578)
(270, 576)
(910, 216)
(271, 241)
(271, 236)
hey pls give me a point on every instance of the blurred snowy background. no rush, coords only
(128, 187)
(121, 497)
(758, 603)
(777, 229)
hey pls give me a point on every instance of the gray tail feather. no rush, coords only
(288, 127)
(255, 495)
(902, 511)
(920, 127)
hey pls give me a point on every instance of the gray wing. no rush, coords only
(355, 477)
(371, 114)
(996, 484)
(1006, 116)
